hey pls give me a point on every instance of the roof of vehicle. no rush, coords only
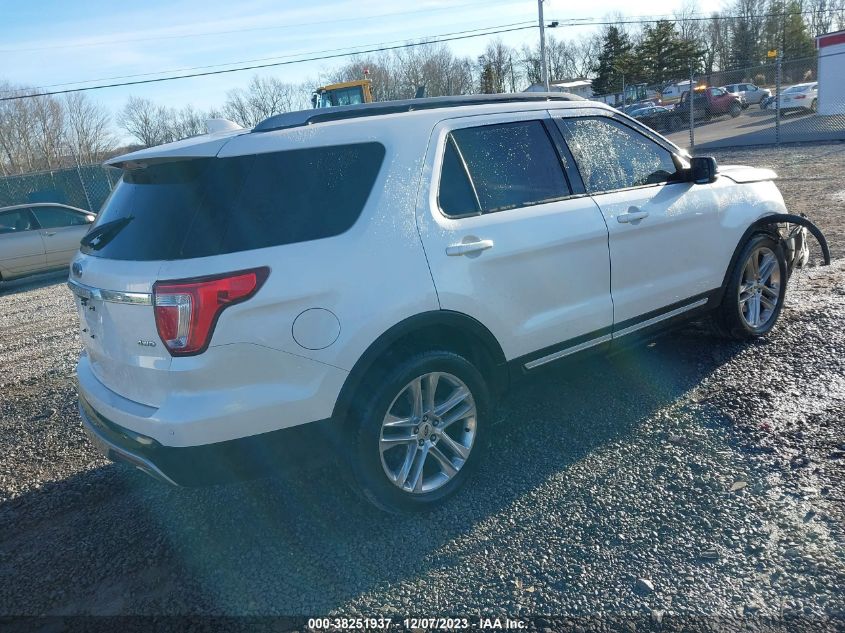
(321, 115)
(209, 145)
(29, 205)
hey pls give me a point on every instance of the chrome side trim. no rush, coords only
(659, 318)
(110, 296)
(567, 351)
(603, 339)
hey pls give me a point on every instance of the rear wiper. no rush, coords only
(101, 235)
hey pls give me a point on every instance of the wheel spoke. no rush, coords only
(459, 414)
(767, 267)
(444, 462)
(386, 443)
(459, 395)
(416, 477)
(771, 292)
(416, 395)
(402, 475)
(391, 421)
(755, 265)
(431, 381)
(459, 449)
(755, 311)
(767, 303)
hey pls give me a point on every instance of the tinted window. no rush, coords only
(205, 207)
(456, 196)
(510, 165)
(612, 156)
(718, 92)
(16, 221)
(53, 218)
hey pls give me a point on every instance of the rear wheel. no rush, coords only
(755, 292)
(420, 431)
(735, 110)
(814, 107)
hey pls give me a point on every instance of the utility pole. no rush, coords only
(544, 68)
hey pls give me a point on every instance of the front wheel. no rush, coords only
(755, 292)
(419, 431)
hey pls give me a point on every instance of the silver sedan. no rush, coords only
(39, 237)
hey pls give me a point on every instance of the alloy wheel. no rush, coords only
(759, 290)
(428, 432)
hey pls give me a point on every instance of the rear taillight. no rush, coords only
(187, 310)
(800, 97)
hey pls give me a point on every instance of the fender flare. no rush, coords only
(815, 231)
(765, 224)
(456, 321)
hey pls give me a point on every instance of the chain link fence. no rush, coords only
(86, 187)
(786, 101)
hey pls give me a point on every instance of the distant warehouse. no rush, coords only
(831, 73)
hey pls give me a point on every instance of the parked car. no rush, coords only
(39, 237)
(751, 93)
(656, 117)
(633, 107)
(383, 271)
(800, 97)
(706, 103)
(767, 103)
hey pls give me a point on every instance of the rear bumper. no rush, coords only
(222, 462)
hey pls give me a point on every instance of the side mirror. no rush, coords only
(702, 169)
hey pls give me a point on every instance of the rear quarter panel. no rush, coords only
(370, 277)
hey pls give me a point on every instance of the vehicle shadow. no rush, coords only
(110, 540)
(34, 282)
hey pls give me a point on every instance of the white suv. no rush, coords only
(384, 270)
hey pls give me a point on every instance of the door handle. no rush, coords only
(634, 215)
(49, 233)
(466, 248)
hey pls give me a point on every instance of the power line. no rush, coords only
(268, 65)
(245, 30)
(575, 22)
(273, 58)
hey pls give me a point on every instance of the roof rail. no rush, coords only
(320, 115)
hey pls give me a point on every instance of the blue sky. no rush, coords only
(55, 42)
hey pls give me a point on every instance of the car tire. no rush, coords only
(755, 292)
(405, 460)
(814, 106)
(735, 110)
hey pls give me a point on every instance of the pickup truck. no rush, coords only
(707, 103)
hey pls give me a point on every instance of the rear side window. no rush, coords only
(497, 167)
(204, 207)
(53, 218)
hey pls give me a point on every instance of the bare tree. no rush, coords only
(87, 129)
(149, 123)
(264, 97)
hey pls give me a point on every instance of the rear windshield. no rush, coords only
(210, 206)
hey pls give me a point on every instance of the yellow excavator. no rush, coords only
(346, 93)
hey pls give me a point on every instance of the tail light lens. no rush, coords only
(187, 310)
(800, 96)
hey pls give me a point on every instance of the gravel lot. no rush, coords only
(692, 476)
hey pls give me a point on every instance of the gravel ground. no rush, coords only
(691, 477)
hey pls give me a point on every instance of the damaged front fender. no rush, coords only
(795, 240)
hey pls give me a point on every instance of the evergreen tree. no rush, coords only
(613, 61)
(663, 55)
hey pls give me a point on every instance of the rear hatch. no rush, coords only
(182, 216)
(145, 223)
(118, 327)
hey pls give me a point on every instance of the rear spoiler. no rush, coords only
(204, 146)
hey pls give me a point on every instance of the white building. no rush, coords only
(831, 73)
(579, 87)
